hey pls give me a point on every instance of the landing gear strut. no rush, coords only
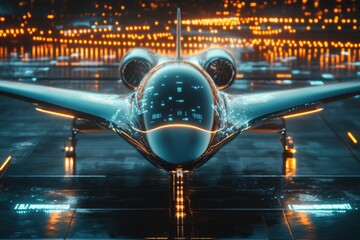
(70, 141)
(287, 141)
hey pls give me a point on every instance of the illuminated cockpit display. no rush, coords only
(176, 104)
(177, 94)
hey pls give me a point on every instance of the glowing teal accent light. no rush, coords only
(47, 208)
(320, 208)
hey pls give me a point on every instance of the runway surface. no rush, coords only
(248, 190)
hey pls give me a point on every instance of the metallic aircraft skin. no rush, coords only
(177, 115)
(177, 118)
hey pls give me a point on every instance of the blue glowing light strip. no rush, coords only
(320, 207)
(27, 207)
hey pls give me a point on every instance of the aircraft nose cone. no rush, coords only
(178, 145)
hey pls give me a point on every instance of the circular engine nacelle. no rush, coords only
(134, 66)
(220, 65)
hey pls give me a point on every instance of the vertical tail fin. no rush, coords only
(178, 35)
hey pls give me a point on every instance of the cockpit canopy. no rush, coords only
(177, 102)
(177, 93)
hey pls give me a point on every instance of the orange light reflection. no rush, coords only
(303, 113)
(177, 126)
(290, 167)
(54, 113)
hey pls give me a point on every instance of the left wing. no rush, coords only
(106, 109)
(251, 110)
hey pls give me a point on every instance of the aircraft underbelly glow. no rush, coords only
(178, 145)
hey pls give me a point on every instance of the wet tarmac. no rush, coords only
(249, 190)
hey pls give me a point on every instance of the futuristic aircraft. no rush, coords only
(177, 116)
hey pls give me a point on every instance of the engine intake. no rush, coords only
(220, 65)
(135, 65)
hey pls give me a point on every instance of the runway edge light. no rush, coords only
(6, 162)
(352, 138)
(4, 165)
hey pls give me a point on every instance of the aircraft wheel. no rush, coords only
(70, 146)
(288, 144)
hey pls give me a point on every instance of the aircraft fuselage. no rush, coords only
(178, 106)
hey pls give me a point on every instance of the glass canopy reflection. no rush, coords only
(177, 94)
(175, 100)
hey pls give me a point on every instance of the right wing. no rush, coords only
(252, 110)
(109, 110)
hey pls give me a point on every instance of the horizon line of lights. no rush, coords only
(225, 23)
(217, 43)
